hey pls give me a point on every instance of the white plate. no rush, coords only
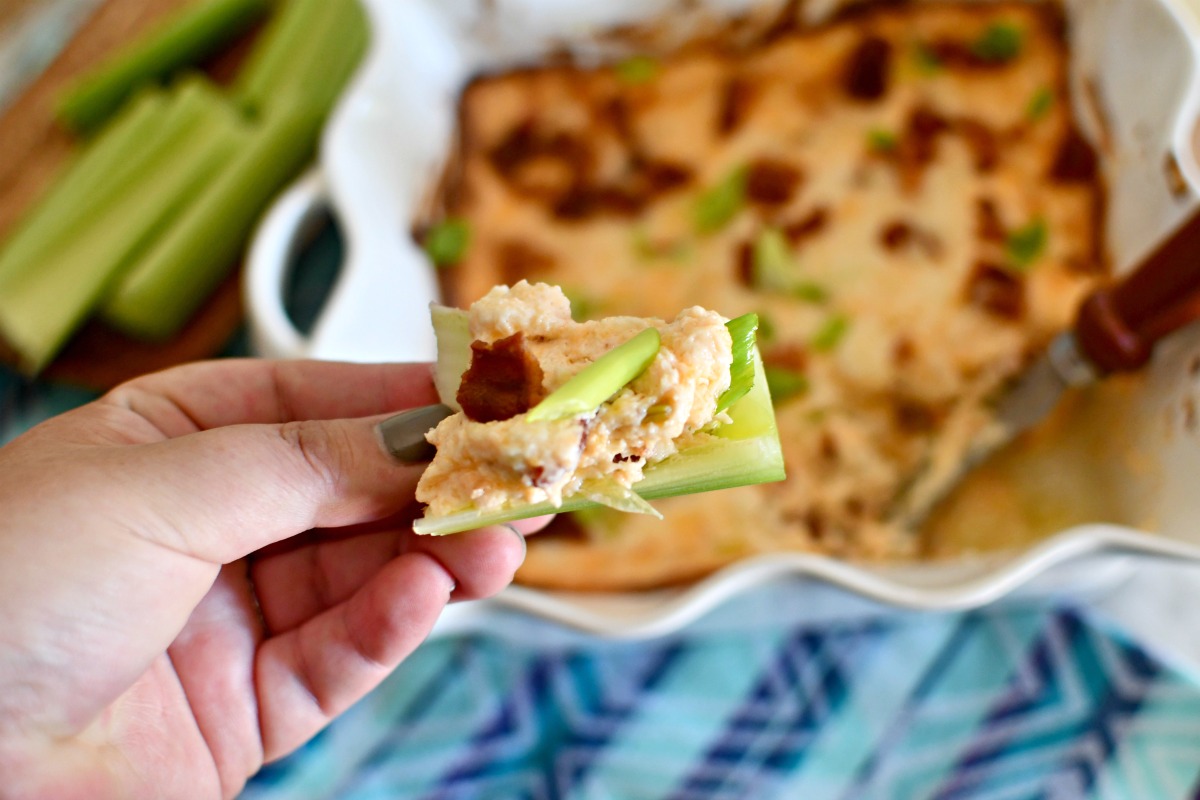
(391, 133)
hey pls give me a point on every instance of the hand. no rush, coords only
(195, 577)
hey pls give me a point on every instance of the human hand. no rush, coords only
(195, 578)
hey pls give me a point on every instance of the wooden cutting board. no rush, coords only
(33, 148)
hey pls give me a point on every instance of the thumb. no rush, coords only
(223, 493)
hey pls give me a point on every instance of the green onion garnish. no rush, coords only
(1040, 104)
(785, 383)
(636, 70)
(717, 206)
(880, 140)
(1026, 244)
(741, 371)
(999, 42)
(830, 334)
(926, 59)
(600, 380)
(446, 242)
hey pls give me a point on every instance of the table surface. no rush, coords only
(795, 690)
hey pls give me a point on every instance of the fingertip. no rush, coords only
(481, 562)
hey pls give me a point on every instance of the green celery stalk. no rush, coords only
(741, 372)
(40, 308)
(305, 55)
(181, 267)
(186, 38)
(453, 351)
(600, 380)
(90, 181)
(742, 452)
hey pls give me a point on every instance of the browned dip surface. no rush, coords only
(900, 194)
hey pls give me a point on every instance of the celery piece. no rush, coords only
(39, 309)
(185, 264)
(785, 383)
(453, 328)
(740, 453)
(741, 372)
(636, 70)
(1026, 244)
(720, 203)
(600, 380)
(306, 54)
(831, 333)
(446, 242)
(186, 38)
(999, 42)
(89, 182)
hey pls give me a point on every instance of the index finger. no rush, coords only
(213, 394)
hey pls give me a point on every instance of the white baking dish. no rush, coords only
(1139, 59)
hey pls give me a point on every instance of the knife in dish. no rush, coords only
(1115, 330)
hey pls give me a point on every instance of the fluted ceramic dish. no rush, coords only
(1137, 60)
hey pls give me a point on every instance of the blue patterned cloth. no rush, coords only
(1018, 702)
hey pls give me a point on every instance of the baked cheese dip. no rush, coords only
(900, 194)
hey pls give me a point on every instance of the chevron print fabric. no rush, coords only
(1017, 703)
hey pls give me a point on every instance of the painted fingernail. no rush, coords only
(403, 435)
(524, 544)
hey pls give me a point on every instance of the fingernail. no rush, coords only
(403, 435)
(524, 544)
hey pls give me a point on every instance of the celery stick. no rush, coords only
(453, 328)
(742, 331)
(182, 266)
(600, 380)
(188, 37)
(741, 453)
(90, 178)
(306, 55)
(39, 309)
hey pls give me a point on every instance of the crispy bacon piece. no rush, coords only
(503, 380)
(865, 76)
(988, 225)
(737, 96)
(807, 226)
(771, 182)
(1075, 161)
(997, 291)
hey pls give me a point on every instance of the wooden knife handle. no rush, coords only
(1119, 323)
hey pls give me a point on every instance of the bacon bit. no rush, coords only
(956, 54)
(743, 263)
(903, 351)
(620, 458)
(502, 381)
(982, 141)
(737, 96)
(988, 226)
(1076, 160)
(814, 520)
(616, 112)
(997, 291)
(661, 176)
(918, 144)
(581, 202)
(771, 182)
(828, 447)
(806, 227)
(790, 356)
(914, 417)
(900, 234)
(855, 506)
(865, 76)
(517, 260)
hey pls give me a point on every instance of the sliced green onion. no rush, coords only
(771, 262)
(743, 452)
(880, 140)
(600, 380)
(583, 306)
(1040, 104)
(999, 42)
(741, 371)
(446, 242)
(831, 333)
(785, 383)
(716, 207)
(1026, 244)
(637, 70)
(186, 38)
(926, 59)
